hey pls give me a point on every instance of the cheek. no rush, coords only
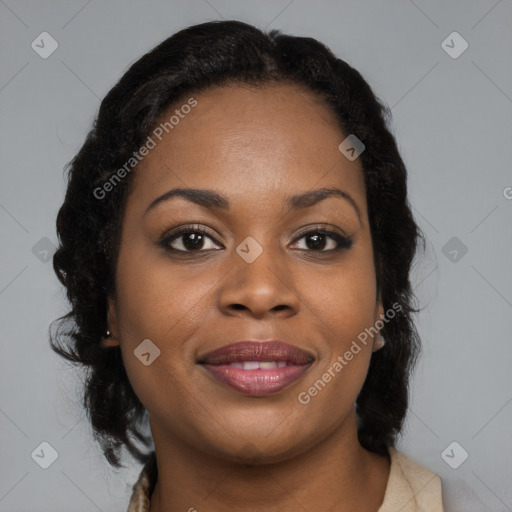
(332, 388)
(157, 304)
(346, 297)
(154, 304)
(157, 301)
(345, 305)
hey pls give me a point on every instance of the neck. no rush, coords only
(336, 474)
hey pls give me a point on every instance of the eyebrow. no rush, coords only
(213, 200)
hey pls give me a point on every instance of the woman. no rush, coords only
(236, 243)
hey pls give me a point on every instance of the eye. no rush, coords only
(197, 239)
(189, 239)
(324, 240)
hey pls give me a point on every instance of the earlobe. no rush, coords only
(110, 338)
(109, 341)
(379, 312)
(378, 341)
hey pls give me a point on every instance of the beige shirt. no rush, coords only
(410, 487)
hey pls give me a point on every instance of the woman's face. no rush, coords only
(190, 295)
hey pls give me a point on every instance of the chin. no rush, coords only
(256, 450)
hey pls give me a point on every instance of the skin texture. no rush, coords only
(218, 449)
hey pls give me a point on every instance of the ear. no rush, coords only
(379, 311)
(378, 341)
(113, 341)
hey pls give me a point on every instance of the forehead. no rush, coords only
(265, 141)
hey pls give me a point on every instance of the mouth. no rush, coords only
(257, 368)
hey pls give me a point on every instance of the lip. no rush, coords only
(293, 362)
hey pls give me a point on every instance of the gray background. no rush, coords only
(452, 119)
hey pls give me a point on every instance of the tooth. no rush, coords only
(238, 365)
(268, 365)
(281, 364)
(251, 365)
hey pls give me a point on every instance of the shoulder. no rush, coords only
(411, 487)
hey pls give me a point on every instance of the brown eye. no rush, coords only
(322, 240)
(191, 239)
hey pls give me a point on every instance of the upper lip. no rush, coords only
(270, 350)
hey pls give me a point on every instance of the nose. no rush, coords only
(261, 289)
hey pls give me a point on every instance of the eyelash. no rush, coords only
(343, 242)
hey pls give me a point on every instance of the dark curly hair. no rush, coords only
(212, 54)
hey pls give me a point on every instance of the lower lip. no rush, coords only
(257, 382)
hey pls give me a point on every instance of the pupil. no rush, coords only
(196, 239)
(319, 242)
